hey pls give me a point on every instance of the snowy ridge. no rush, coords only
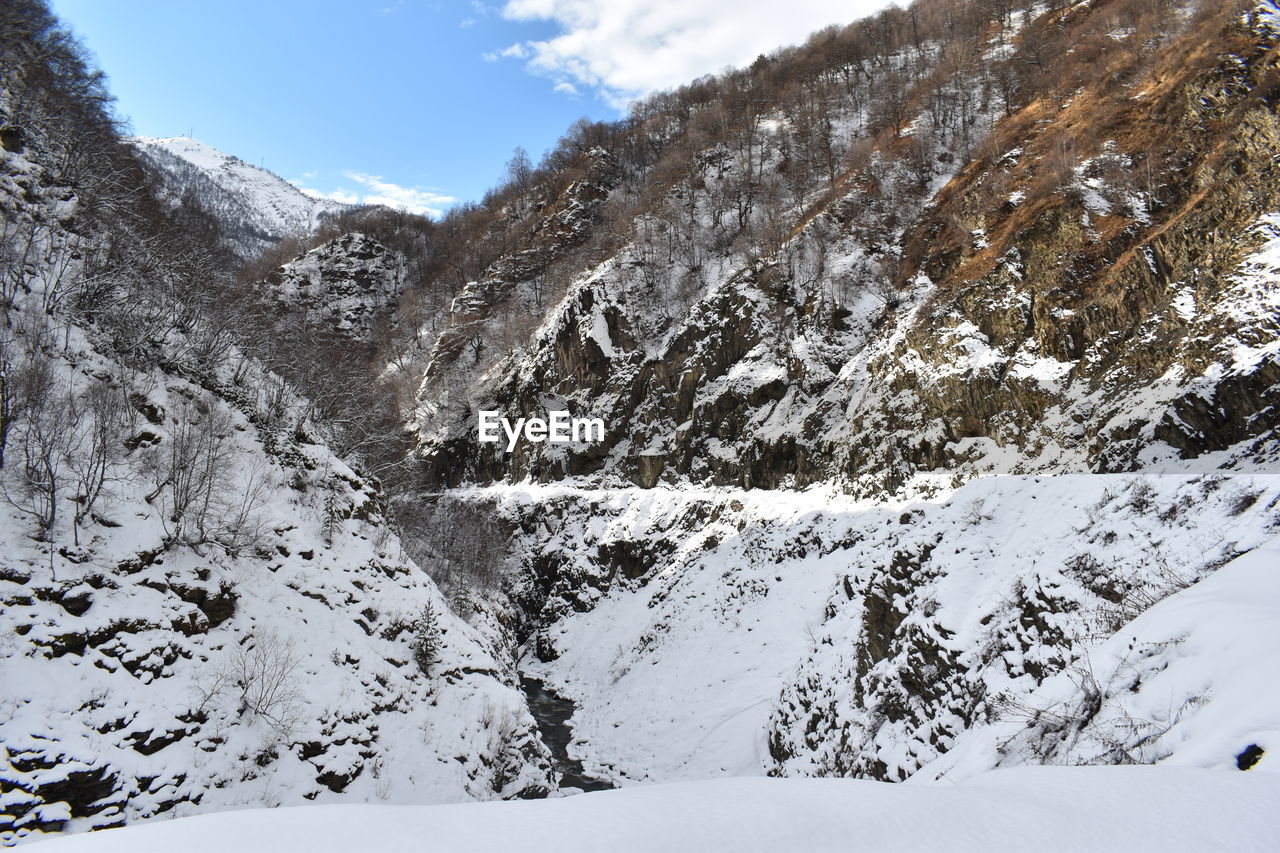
(256, 208)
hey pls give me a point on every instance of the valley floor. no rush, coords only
(1032, 808)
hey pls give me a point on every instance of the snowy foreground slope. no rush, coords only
(708, 633)
(1041, 808)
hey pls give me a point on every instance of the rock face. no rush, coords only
(345, 286)
(1108, 309)
(487, 321)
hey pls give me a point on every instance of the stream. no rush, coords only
(552, 713)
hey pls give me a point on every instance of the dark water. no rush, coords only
(552, 713)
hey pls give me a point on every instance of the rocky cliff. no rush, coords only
(346, 287)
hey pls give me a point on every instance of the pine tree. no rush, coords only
(426, 639)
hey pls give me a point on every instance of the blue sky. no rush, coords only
(428, 97)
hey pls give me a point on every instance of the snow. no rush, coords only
(1194, 679)
(600, 334)
(751, 608)
(1043, 808)
(253, 203)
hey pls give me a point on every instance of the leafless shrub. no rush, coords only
(240, 526)
(189, 469)
(1088, 727)
(1243, 500)
(203, 496)
(261, 674)
(1142, 496)
(502, 725)
(1134, 595)
(96, 448)
(47, 421)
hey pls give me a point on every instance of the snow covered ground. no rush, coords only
(708, 633)
(1034, 808)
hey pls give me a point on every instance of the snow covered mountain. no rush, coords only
(939, 451)
(923, 318)
(940, 375)
(254, 207)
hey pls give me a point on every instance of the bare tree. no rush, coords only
(96, 448)
(264, 669)
(188, 469)
(203, 495)
(520, 170)
(262, 675)
(46, 418)
(10, 404)
(461, 547)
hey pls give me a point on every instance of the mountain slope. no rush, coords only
(254, 207)
(868, 278)
(201, 605)
(1088, 290)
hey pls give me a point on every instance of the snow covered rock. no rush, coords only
(343, 286)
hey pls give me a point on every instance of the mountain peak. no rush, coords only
(256, 207)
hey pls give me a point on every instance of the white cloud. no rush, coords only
(625, 49)
(565, 87)
(515, 51)
(344, 196)
(372, 189)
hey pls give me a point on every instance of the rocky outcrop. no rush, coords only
(345, 287)
(558, 224)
